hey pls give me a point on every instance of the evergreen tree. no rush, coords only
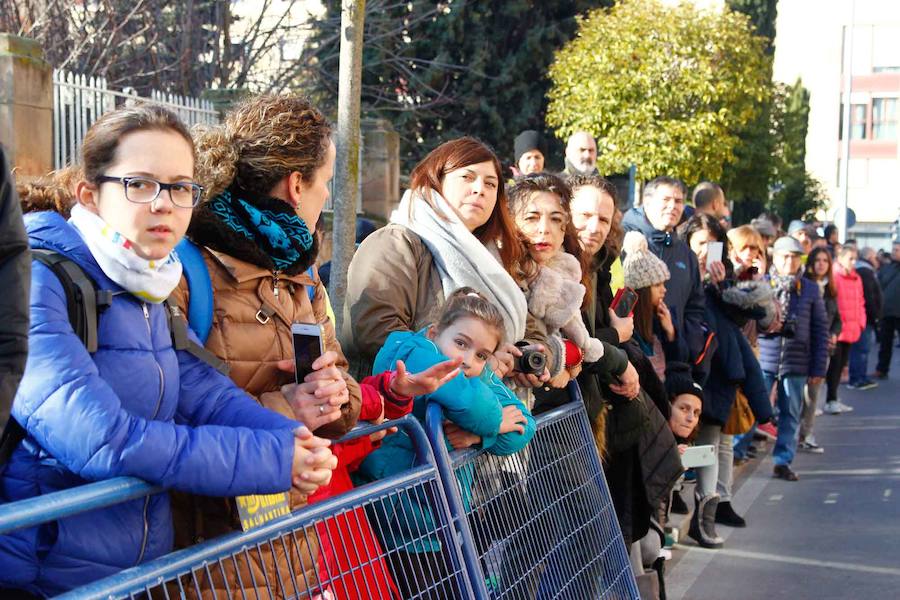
(440, 70)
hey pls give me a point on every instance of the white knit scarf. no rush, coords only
(149, 280)
(462, 260)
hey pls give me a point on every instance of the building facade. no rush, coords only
(810, 45)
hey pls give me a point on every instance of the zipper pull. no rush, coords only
(146, 312)
(275, 283)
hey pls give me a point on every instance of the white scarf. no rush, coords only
(149, 280)
(462, 260)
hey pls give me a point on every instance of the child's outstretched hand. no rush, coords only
(513, 420)
(408, 384)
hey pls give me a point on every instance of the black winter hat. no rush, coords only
(679, 381)
(526, 141)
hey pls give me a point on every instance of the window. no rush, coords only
(884, 118)
(857, 122)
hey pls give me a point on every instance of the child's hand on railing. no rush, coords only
(513, 420)
(458, 437)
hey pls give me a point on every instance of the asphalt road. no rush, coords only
(835, 534)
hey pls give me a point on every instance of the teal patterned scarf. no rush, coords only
(270, 223)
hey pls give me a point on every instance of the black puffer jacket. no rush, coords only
(15, 280)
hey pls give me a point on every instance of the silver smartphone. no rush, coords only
(307, 339)
(698, 456)
(714, 251)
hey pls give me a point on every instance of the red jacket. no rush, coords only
(851, 303)
(350, 562)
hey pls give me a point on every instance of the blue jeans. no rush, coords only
(789, 401)
(859, 356)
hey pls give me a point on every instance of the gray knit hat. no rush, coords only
(642, 267)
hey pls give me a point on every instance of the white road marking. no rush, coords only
(831, 498)
(886, 496)
(775, 498)
(795, 560)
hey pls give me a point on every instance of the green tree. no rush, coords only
(796, 193)
(439, 70)
(665, 88)
(747, 180)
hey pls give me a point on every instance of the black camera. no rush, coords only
(532, 361)
(789, 327)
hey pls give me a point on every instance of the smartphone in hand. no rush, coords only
(307, 339)
(624, 302)
(714, 251)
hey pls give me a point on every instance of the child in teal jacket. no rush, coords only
(479, 408)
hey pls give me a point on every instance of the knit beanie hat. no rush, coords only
(642, 267)
(679, 381)
(527, 141)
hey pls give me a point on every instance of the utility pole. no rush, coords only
(346, 184)
(840, 217)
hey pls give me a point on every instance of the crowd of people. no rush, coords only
(733, 333)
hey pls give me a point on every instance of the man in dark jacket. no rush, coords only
(663, 205)
(798, 354)
(889, 278)
(15, 280)
(859, 351)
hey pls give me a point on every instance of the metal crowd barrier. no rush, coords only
(541, 521)
(535, 525)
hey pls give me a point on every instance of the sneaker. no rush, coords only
(819, 412)
(866, 384)
(832, 408)
(811, 447)
(784, 472)
(881, 375)
(768, 431)
(843, 407)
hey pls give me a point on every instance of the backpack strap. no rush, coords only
(182, 341)
(311, 289)
(200, 306)
(83, 301)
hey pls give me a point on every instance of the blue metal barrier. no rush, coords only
(278, 560)
(539, 523)
(535, 525)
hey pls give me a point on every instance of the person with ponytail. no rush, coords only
(134, 406)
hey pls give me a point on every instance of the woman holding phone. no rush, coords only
(266, 172)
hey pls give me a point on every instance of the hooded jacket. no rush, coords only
(851, 303)
(806, 353)
(15, 280)
(474, 404)
(684, 291)
(871, 292)
(136, 407)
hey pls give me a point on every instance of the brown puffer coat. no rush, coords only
(251, 333)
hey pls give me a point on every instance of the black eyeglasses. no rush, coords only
(144, 190)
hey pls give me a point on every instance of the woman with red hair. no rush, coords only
(452, 229)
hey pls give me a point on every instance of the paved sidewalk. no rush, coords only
(833, 534)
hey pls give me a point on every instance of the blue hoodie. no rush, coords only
(475, 405)
(684, 291)
(136, 408)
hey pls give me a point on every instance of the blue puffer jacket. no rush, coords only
(476, 405)
(733, 365)
(807, 352)
(684, 291)
(137, 408)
